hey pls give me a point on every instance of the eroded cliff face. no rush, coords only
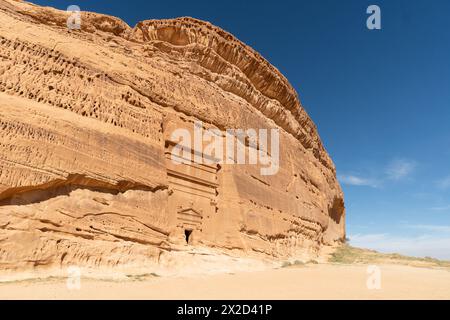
(86, 118)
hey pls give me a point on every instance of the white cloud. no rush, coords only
(429, 227)
(420, 246)
(399, 169)
(356, 181)
(443, 208)
(444, 183)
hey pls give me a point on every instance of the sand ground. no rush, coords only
(322, 281)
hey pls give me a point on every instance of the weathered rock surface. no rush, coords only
(85, 123)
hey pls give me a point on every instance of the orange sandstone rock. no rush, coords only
(86, 118)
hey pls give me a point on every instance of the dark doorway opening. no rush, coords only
(187, 234)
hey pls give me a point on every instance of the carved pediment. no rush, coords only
(190, 211)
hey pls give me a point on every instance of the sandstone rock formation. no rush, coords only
(85, 136)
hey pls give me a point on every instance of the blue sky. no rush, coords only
(380, 99)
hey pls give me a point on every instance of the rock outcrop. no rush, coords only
(86, 123)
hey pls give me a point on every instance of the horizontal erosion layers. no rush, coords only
(232, 65)
(86, 118)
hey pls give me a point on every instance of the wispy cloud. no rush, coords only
(353, 180)
(437, 246)
(444, 183)
(396, 170)
(431, 228)
(443, 208)
(400, 169)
